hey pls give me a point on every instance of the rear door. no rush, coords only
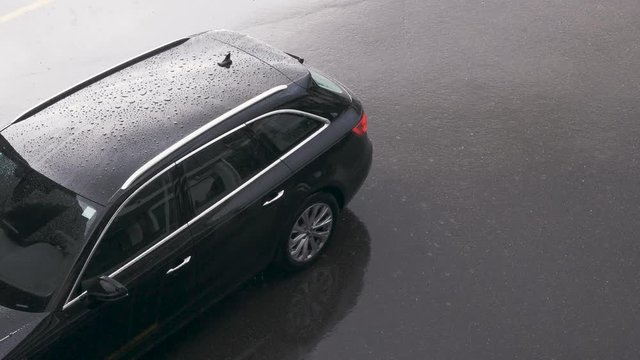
(285, 133)
(232, 188)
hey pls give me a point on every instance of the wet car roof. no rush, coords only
(92, 140)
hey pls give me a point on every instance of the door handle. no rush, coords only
(278, 196)
(184, 262)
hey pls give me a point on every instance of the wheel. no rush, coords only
(310, 231)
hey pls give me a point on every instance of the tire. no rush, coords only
(309, 232)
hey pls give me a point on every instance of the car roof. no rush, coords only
(93, 138)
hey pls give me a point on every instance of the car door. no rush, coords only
(232, 188)
(146, 248)
(287, 133)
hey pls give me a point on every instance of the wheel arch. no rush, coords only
(336, 192)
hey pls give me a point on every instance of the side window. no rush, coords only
(284, 131)
(222, 167)
(148, 217)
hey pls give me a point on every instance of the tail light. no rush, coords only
(361, 128)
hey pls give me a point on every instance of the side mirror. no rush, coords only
(104, 289)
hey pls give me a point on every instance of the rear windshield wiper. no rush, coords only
(13, 232)
(300, 60)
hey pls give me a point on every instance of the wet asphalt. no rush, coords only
(501, 216)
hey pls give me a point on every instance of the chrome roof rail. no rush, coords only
(144, 168)
(94, 79)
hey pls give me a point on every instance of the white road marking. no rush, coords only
(23, 10)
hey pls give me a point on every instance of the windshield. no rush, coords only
(42, 230)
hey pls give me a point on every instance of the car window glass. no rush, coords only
(149, 216)
(325, 83)
(43, 229)
(222, 167)
(284, 131)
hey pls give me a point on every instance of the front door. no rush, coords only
(146, 248)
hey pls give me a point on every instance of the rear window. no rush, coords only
(282, 132)
(222, 167)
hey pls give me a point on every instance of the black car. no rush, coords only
(132, 201)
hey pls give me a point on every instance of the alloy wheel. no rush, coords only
(310, 232)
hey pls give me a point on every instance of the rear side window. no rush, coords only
(284, 131)
(222, 167)
(148, 217)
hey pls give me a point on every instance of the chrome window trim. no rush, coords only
(128, 264)
(231, 194)
(144, 168)
(310, 137)
(69, 302)
(290, 111)
(325, 121)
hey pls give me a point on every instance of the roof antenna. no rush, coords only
(226, 63)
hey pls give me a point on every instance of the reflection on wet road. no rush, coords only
(281, 316)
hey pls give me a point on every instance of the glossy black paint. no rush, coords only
(135, 113)
(225, 247)
(238, 249)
